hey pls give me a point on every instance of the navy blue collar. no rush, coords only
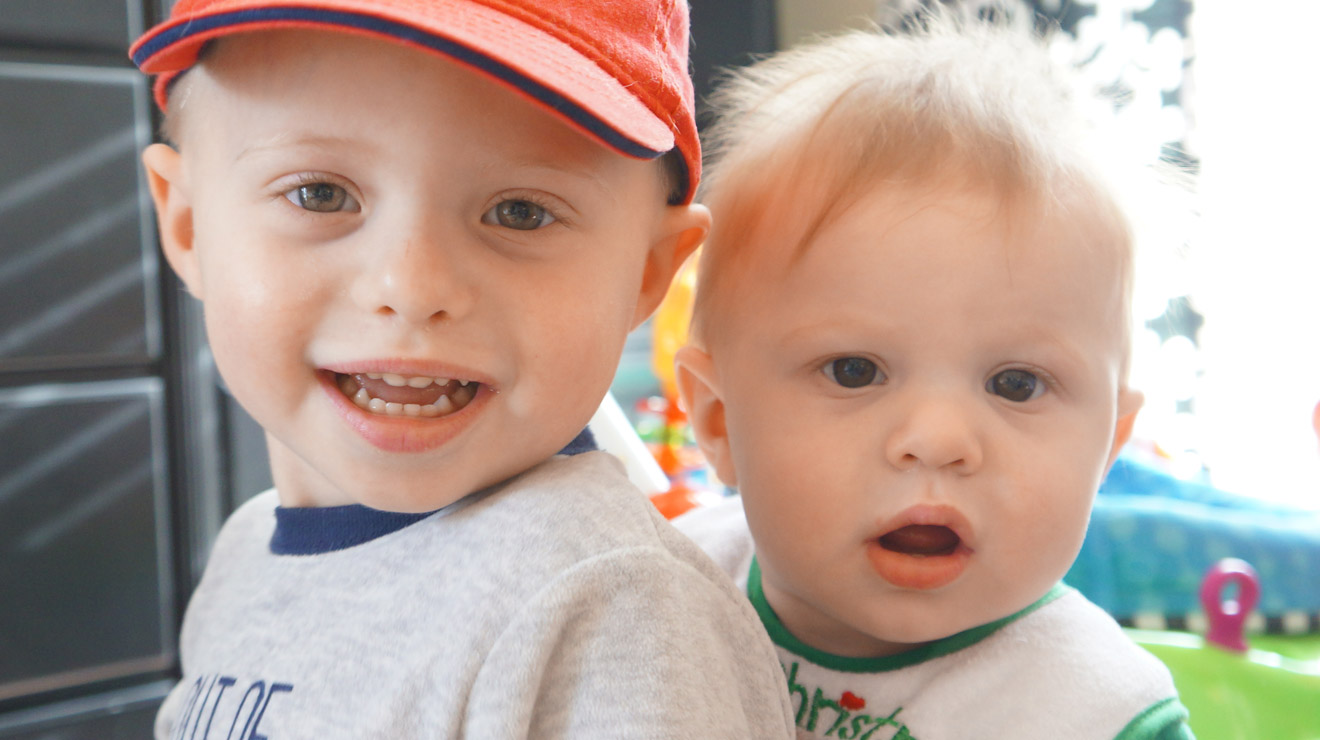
(315, 530)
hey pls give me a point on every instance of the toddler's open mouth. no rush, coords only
(388, 394)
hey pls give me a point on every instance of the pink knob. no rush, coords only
(1228, 616)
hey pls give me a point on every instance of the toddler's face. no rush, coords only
(919, 412)
(418, 282)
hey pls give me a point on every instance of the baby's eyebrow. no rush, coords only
(836, 329)
(1058, 353)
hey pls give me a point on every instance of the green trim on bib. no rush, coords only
(780, 635)
(1164, 720)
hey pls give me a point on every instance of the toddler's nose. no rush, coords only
(418, 279)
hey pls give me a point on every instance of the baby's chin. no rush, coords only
(905, 637)
(918, 626)
(878, 638)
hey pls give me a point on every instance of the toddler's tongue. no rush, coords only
(378, 388)
(921, 539)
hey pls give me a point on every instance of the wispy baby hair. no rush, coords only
(953, 101)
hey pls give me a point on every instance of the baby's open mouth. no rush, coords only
(388, 394)
(921, 540)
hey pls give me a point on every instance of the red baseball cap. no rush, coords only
(615, 69)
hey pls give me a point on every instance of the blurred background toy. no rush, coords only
(661, 420)
(1234, 691)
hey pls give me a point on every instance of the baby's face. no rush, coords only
(919, 412)
(418, 282)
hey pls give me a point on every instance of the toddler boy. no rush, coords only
(909, 355)
(421, 231)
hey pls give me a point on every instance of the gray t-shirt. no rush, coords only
(556, 605)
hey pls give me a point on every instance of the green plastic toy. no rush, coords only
(1231, 690)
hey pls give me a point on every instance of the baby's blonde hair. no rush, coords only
(956, 102)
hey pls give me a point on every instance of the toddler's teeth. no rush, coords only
(457, 396)
(462, 395)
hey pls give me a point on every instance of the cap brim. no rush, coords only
(545, 68)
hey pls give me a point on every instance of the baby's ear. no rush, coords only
(174, 213)
(681, 231)
(1129, 403)
(699, 390)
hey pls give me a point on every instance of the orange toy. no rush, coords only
(669, 333)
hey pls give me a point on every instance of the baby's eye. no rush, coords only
(523, 215)
(1015, 385)
(322, 197)
(853, 372)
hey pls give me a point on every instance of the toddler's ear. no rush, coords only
(682, 230)
(174, 213)
(1129, 403)
(699, 389)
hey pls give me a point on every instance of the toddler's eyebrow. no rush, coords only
(578, 171)
(283, 141)
(286, 140)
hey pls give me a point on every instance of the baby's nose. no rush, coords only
(936, 431)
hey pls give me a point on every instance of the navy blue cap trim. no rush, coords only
(404, 32)
(316, 530)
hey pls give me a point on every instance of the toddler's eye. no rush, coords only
(1015, 385)
(853, 372)
(523, 215)
(322, 197)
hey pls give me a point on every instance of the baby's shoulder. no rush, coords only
(1071, 646)
(1062, 669)
(1078, 633)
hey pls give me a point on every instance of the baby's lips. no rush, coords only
(915, 571)
(925, 547)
